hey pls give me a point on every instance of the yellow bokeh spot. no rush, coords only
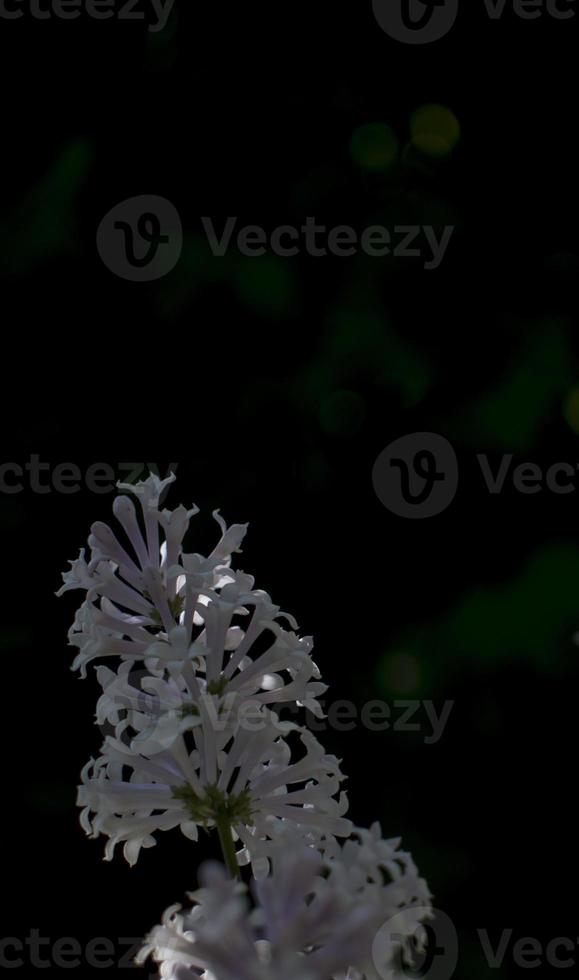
(571, 409)
(374, 146)
(435, 130)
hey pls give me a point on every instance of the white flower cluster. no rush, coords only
(202, 661)
(313, 917)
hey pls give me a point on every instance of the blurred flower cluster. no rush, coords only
(203, 664)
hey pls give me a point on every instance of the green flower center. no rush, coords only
(189, 710)
(176, 607)
(218, 686)
(216, 805)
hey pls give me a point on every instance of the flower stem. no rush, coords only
(227, 846)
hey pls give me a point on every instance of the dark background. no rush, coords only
(275, 383)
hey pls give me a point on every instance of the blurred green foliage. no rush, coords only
(531, 617)
(45, 223)
(514, 409)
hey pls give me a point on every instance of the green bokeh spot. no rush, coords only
(267, 284)
(342, 413)
(374, 147)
